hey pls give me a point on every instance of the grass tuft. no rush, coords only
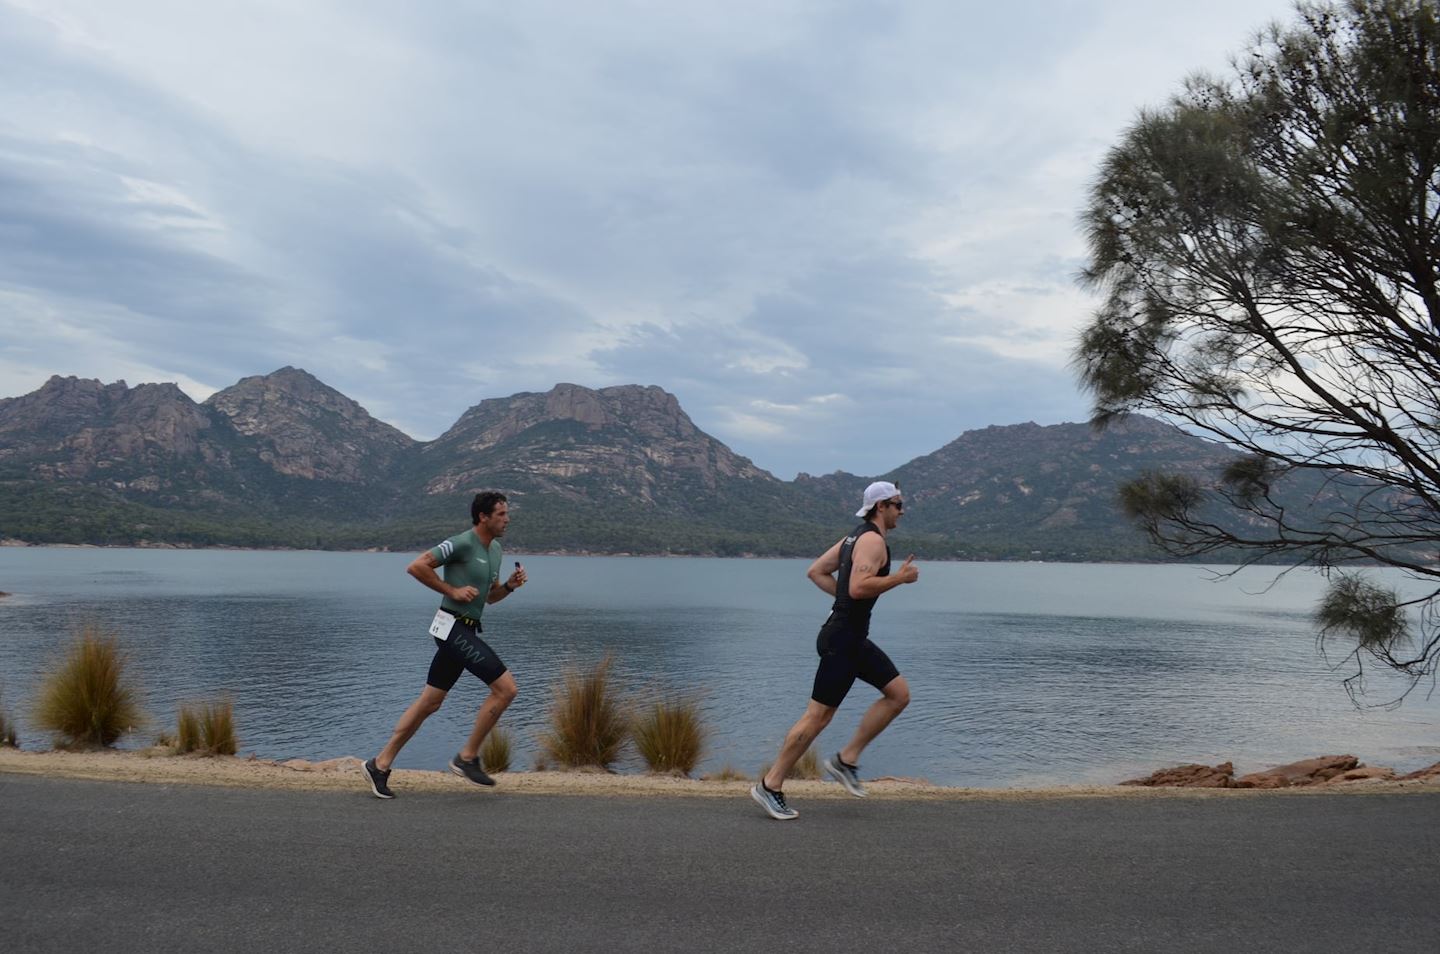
(87, 700)
(7, 731)
(807, 769)
(496, 752)
(588, 725)
(727, 773)
(187, 729)
(670, 735)
(206, 727)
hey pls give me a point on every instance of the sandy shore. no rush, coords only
(155, 768)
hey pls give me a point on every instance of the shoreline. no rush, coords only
(15, 543)
(157, 767)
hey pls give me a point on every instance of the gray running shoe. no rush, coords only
(772, 802)
(379, 781)
(470, 770)
(844, 774)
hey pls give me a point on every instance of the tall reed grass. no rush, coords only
(670, 735)
(88, 700)
(206, 727)
(496, 752)
(588, 723)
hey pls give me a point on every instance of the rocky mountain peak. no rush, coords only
(630, 440)
(305, 428)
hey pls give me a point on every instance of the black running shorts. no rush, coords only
(845, 656)
(463, 650)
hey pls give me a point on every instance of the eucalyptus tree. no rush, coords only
(1266, 250)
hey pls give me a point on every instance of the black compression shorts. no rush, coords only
(844, 657)
(463, 650)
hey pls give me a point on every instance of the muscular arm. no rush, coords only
(423, 569)
(869, 557)
(822, 571)
(498, 591)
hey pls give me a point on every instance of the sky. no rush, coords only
(841, 233)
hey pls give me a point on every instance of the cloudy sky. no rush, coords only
(840, 232)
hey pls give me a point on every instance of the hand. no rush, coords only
(518, 578)
(463, 594)
(909, 572)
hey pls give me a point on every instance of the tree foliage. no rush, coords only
(1267, 247)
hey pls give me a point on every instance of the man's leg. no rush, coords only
(895, 697)
(817, 716)
(420, 710)
(502, 692)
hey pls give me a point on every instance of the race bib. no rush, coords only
(441, 624)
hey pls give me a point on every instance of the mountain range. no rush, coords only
(284, 460)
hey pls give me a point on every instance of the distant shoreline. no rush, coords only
(11, 543)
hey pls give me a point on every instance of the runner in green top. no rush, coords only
(467, 563)
(470, 562)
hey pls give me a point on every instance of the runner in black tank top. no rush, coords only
(855, 571)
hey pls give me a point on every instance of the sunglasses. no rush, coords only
(897, 504)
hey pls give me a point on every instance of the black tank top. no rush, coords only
(846, 607)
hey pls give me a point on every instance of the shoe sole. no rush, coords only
(835, 773)
(378, 794)
(461, 772)
(760, 800)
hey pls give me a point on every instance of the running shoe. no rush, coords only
(772, 802)
(470, 770)
(379, 781)
(844, 774)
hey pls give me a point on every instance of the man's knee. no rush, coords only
(817, 717)
(430, 701)
(504, 689)
(897, 693)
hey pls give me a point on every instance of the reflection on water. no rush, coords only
(1020, 673)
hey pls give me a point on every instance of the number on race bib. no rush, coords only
(441, 624)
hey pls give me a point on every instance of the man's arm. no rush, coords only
(423, 569)
(868, 558)
(822, 571)
(498, 591)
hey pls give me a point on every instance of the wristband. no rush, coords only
(508, 587)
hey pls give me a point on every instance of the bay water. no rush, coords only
(1021, 674)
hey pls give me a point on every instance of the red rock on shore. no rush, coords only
(1190, 776)
(1305, 772)
(1429, 772)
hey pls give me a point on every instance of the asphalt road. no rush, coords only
(115, 867)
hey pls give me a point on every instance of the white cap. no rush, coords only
(876, 492)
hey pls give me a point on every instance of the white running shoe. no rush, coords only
(772, 802)
(844, 774)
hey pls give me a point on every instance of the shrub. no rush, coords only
(87, 700)
(670, 735)
(588, 725)
(206, 727)
(495, 753)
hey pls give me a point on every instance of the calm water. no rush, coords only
(1021, 674)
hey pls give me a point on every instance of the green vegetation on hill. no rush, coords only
(282, 460)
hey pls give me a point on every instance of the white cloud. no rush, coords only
(751, 205)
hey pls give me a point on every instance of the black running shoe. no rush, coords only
(379, 781)
(470, 770)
